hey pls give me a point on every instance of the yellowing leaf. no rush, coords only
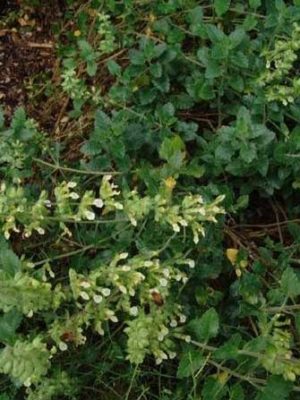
(77, 33)
(223, 377)
(243, 264)
(231, 254)
(170, 183)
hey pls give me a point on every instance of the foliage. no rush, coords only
(148, 264)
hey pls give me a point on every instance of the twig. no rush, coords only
(58, 167)
(61, 256)
(40, 45)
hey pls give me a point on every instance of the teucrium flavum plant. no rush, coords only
(149, 224)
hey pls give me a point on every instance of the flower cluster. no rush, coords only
(16, 210)
(106, 32)
(277, 79)
(25, 361)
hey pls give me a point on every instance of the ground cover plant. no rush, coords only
(149, 200)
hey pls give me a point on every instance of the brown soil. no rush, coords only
(27, 51)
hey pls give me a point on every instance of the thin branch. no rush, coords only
(58, 167)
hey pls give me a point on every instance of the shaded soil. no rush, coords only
(27, 51)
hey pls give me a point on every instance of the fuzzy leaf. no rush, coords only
(221, 6)
(190, 363)
(290, 283)
(276, 389)
(9, 262)
(9, 322)
(207, 326)
(213, 388)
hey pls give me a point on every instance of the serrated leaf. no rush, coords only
(290, 283)
(236, 37)
(172, 150)
(229, 350)
(91, 68)
(236, 392)
(156, 70)
(190, 363)
(294, 230)
(19, 119)
(215, 34)
(5, 397)
(194, 169)
(221, 6)
(207, 326)
(241, 203)
(213, 389)
(248, 152)
(166, 111)
(297, 322)
(195, 15)
(9, 323)
(102, 121)
(1, 118)
(147, 96)
(113, 67)
(86, 50)
(213, 69)
(136, 57)
(9, 261)
(276, 389)
(237, 83)
(254, 3)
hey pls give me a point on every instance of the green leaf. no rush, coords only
(5, 397)
(213, 389)
(254, 3)
(113, 67)
(221, 6)
(236, 37)
(248, 152)
(86, 50)
(136, 57)
(156, 70)
(215, 34)
(172, 150)
(276, 389)
(195, 15)
(102, 121)
(18, 121)
(213, 69)
(294, 230)
(9, 262)
(197, 25)
(1, 118)
(207, 326)
(190, 363)
(89, 56)
(236, 392)
(237, 83)
(290, 283)
(91, 68)
(297, 322)
(166, 114)
(194, 169)
(242, 202)
(250, 23)
(147, 96)
(9, 323)
(229, 350)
